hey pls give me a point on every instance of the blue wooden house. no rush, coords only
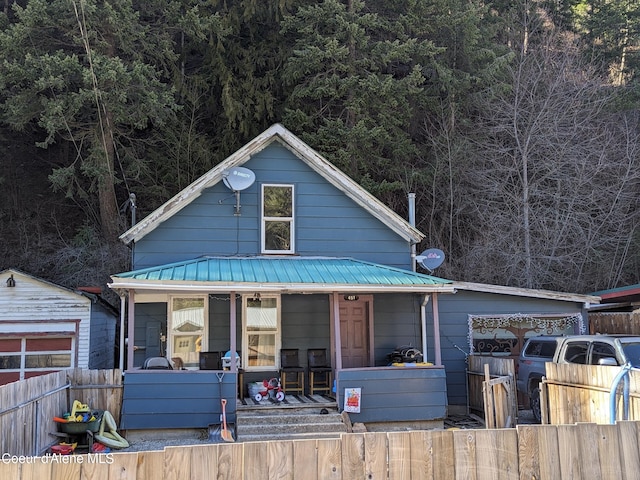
(276, 250)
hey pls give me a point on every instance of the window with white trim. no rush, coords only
(277, 219)
(25, 357)
(261, 332)
(187, 330)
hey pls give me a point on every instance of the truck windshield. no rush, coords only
(632, 352)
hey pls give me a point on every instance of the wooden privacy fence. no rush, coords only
(614, 322)
(543, 452)
(492, 389)
(581, 393)
(27, 407)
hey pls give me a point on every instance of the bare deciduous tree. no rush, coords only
(555, 178)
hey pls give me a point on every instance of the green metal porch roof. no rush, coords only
(279, 273)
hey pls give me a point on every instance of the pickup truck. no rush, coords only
(580, 349)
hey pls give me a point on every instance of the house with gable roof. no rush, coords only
(296, 256)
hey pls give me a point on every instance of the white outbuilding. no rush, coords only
(45, 327)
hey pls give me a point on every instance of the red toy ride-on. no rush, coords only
(272, 388)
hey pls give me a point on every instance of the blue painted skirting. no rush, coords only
(176, 399)
(396, 394)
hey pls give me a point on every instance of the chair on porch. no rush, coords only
(157, 363)
(291, 373)
(319, 371)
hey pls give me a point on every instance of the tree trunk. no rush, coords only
(109, 214)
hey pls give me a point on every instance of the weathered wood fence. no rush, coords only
(614, 322)
(492, 389)
(543, 452)
(27, 407)
(582, 393)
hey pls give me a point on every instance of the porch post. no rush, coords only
(122, 332)
(232, 337)
(336, 329)
(130, 329)
(423, 325)
(436, 330)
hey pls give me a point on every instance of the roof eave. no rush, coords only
(44, 282)
(527, 292)
(191, 192)
(225, 287)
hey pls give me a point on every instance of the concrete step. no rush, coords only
(271, 424)
(289, 436)
(284, 428)
(270, 419)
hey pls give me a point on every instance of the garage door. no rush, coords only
(25, 357)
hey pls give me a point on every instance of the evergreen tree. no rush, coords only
(238, 68)
(612, 31)
(90, 73)
(356, 78)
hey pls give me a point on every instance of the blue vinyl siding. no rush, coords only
(327, 222)
(396, 323)
(102, 338)
(148, 314)
(454, 332)
(305, 323)
(219, 334)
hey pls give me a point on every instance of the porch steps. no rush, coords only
(286, 422)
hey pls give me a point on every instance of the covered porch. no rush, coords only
(357, 312)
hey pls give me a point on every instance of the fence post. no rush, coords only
(487, 393)
(544, 402)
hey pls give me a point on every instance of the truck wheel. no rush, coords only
(534, 401)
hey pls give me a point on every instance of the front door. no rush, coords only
(354, 333)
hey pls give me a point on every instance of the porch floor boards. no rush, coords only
(290, 401)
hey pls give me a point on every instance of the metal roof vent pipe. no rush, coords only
(412, 222)
(11, 281)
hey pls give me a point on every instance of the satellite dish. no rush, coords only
(430, 259)
(238, 178)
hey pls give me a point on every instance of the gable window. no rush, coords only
(261, 337)
(277, 219)
(187, 330)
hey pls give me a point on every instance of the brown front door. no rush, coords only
(354, 333)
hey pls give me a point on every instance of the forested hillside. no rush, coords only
(516, 123)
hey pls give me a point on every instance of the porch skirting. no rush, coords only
(395, 394)
(176, 399)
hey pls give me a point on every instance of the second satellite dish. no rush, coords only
(238, 178)
(430, 259)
